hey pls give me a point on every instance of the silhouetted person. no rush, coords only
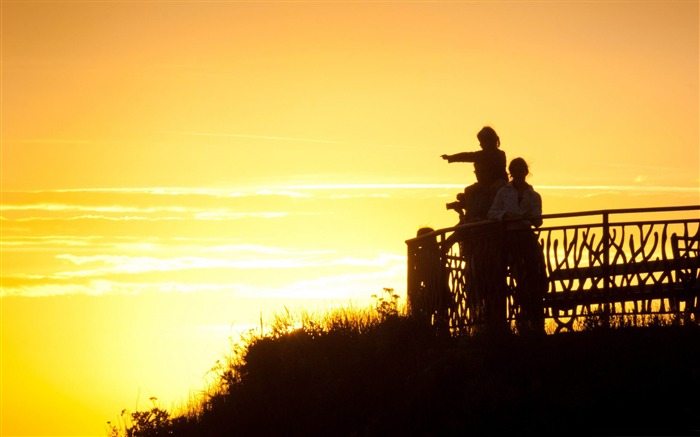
(490, 170)
(479, 196)
(433, 298)
(519, 206)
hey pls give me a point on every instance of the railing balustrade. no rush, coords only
(626, 262)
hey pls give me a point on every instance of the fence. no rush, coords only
(625, 262)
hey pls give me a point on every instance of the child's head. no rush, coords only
(488, 139)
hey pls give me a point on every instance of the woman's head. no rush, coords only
(488, 138)
(518, 168)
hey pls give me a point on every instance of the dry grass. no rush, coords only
(373, 371)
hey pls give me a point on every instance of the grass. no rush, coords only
(374, 371)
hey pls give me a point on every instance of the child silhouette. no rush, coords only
(490, 168)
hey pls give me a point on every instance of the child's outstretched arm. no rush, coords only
(461, 157)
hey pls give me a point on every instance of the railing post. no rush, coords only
(410, 278)
(606, 251)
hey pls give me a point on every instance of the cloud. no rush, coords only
(98, 217)
(358, 196)
(341, 286)
(257, 137)
(63, 207)
(384, 270)
(215, 216)
(196, 213)
(47, 141)
(102, 265)
(301, 190)
(44, 241)
(286, 138)
(100, 287)
(128, 244)
(597, 189)
(377, 186)
(221, 192)
(228, 215)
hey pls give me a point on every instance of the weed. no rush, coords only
(387, 305)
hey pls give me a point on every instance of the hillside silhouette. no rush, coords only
(379, 372)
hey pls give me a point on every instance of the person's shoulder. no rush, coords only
(533, 191)
(493, 153)
(506, 188)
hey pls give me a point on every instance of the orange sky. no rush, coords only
(171, 170)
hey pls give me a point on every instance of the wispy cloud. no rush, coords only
(652, 169)
(108, 274)
(376, 186)
(49, 141)
(621, 188)
(102, 265)
(94, 288)
(98, 217)
(301, 190)
(359, 196)
(48, 240)
(342, 286)
(592, 191)
(283, 138)
(228, 215)
(99, 287)
(62, 207)
(203, 216)
(129, 244)
(218, 192)
(125, 213)
(257, 137)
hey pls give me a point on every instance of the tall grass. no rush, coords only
(346, 321)
(374, 371)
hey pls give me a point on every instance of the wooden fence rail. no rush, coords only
(621, 262)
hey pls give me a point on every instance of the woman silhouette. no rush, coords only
(519, 206)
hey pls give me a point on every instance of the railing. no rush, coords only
(628, 262)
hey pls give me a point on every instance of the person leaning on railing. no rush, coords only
(430, 299)
(519, 207)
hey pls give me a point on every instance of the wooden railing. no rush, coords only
(621, 262)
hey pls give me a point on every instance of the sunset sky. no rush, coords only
(172, 171)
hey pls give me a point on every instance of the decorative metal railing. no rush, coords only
(625, 262)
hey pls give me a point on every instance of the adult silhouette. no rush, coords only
(519, 206)
(432, 299)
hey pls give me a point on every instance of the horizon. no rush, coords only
(175, 172)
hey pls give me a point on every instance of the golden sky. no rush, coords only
(173, 169)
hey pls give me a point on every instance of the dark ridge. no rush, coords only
(399, 378)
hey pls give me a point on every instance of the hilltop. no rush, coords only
(389, 375)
